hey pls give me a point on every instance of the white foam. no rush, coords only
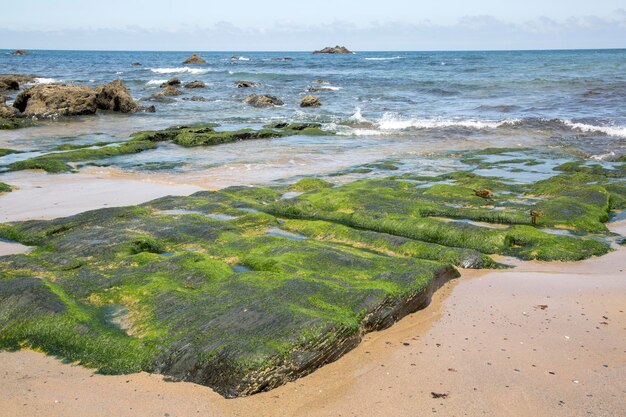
(45, 81)
(156, 82)
(180, 70)
(619, 131)
(394, 122)
(384, 59)
(358, 116)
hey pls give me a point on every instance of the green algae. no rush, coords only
(12, 123)
(4, 152)
(58, 162)
(5, 188)
(244, 289)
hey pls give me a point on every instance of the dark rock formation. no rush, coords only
(136, 64)
(310, 101)
(318, 89)
(69, 100)
(336, 50)
(171, 81)
(282, 59)
(263, 101)
(194, 59)
(14, 81)
(19, 52)
(246, 84)
(195, 84)
(115, 97)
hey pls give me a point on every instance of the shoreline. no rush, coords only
(492, 356)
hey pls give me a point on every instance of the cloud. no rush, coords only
(470, 32)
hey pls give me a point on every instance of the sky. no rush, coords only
(291, 25)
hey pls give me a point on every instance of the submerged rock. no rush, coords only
(310, 101)
(334, 50)
(172, 81)
(194, 59)
(195, 98)
(195, 84)
(246, 84)
(136, 64)
(263, 101)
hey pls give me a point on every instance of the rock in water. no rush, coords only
(115, 97)
(194, 59)
(19, 52)
(56, 100)
(310, 101)
(171, 81)
(136, 64)
(246, 84)
(195, 84)
(263, 101)
(169, 91)
(70, 100)
(14, 81)
(336, 50)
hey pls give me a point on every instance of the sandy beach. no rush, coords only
(542, 339)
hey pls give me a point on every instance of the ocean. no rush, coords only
(379, 104)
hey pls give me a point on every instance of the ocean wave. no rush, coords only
(618, 131)
(393, 58)
(180, 70)
(156, 82)
(44, 81)
(394, 122)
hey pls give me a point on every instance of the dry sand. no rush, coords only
(544, 339)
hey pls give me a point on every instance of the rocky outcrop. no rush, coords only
(246, 84)
(136, 64)
(172, 81)
(19, 52)
(56, 100)
(14, 81)
(69, 100)
(169, 91)
(194, 59)
(263, 101)
(334, 50)
(310, 101)
(114, 96)
(195, 84)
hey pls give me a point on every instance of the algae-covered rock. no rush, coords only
(172, 81)
(195, 84)
(114, 96)
(334, 50)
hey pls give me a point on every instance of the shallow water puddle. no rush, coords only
(274, 231)
(8, 247)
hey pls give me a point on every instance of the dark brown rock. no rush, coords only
(136, 64)
(194, 59)
(246, 84)
(14, 81)
(263, 101)
(171, 81)
(115, 97)
(336, 50)
(310, 101)
(195, 84)
(19, 52)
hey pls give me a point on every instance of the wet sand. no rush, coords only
(543, 339)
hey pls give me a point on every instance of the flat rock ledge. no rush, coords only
(230, 382)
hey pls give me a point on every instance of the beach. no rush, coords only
(439, 233)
